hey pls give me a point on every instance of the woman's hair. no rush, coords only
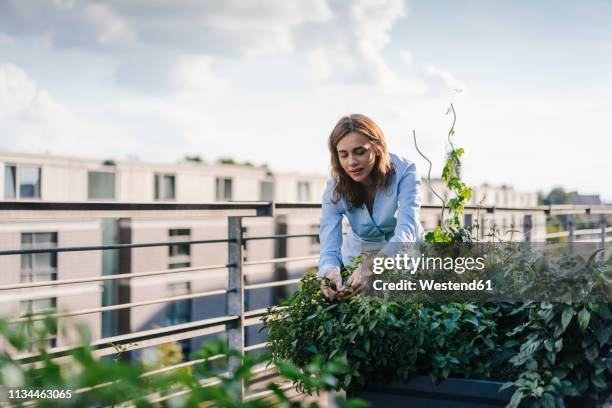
(346, 187)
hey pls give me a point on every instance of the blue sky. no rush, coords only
(265, 81)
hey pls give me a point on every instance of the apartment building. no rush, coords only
(51, 178)
(32, 177)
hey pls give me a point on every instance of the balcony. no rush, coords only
(254, 275)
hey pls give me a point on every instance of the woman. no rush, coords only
(379, 194)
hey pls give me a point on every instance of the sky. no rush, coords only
(265, 81)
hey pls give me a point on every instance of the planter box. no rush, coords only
(450, 393)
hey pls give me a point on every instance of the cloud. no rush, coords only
(21, 98)
(174, 47)
(66, 24)
(30, 118)
(231, 27)
(443, 80)
(164, 46)
(350, 49)
(406, 57)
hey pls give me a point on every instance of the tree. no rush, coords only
(556, 196)
(194, 159)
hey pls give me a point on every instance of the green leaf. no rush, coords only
(583, 318)
(566, 317)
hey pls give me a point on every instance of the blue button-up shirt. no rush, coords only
(394, 218)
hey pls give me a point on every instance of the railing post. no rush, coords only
(279, 293)
(235, 292)
(603, 224)
(571, 225)
(483, 226)
(527, 226)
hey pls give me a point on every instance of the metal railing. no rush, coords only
(236, 319)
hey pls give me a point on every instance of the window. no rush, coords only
(266, 191)
(41, 266)
(223, 189)
(179, 256)
(303, 191)
(100, 185)
(22, 182)
(38, 306)
(180, 311)
(165, 186)
(10, 182)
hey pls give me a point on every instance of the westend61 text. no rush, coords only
(430, 284)
(410, 263)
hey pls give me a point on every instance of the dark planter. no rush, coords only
(422, 392)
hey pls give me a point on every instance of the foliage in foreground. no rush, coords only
(107, 382)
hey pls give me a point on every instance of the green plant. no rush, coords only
(382, 339)
(107, 382)
(453, 230)
(564, 353)
(517, 342)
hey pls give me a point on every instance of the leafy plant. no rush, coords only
(453, 230)
(107, 382)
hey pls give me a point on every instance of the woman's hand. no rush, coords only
(358, 281)
(336, 281)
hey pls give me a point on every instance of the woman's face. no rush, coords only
(357, 156)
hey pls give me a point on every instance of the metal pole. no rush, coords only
(280, 251)
(235, 293)
(571, 224)
(603, 223)
(527, 225)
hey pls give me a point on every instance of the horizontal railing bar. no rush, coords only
(206, 382)
(256, 346)
(591, 231)
(279, 260)
(160, 334)
(255, 312)
(560, 234)
(272, 284)
(108, 247)
(279, 236)
(120, 306)
(163, 398)
(260, 206)
(182, 365)
(607, 239)
(266, 393)
(209, 383)
(289, 206)
(154, 372)
(111, 277)
(115, 206)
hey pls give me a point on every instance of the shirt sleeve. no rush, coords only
(408, 228)
(330, 234)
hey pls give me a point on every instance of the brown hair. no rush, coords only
(346, 187)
